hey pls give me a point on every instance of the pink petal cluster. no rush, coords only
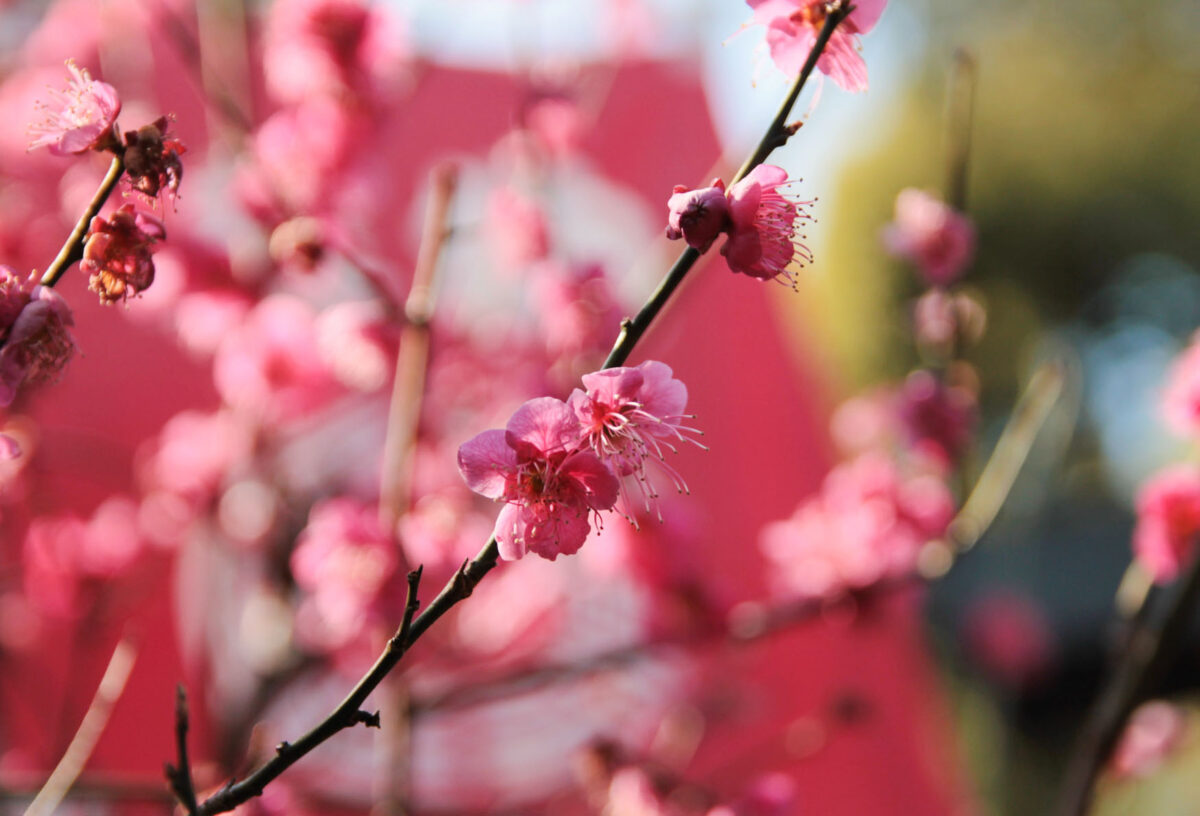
(869, 522)
(81, 118)
(1181, 398)
(34, 342)
(116, 256)
(344, 560)
(630, 415)
(1168, 510)
(1155, 729)
(792, 29)
(944, 321)
(759, 220)
(577, 309)
(931, 234)
(549, 481)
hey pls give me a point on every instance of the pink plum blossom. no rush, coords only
(698, 216)
(1168, 510)
(81, 118)
(931, 234)
(548, 483)
(358, 344)
(760, 221)
(792, 29)
(869, 522)
(629, 415)
(632, 792)
(116, 256)
(343, 562)
(1155, 729)
(1181, 398)
(577, 308)
(762, 236)
(34, 342)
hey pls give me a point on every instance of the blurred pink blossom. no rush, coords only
(1155, 729)
(34, 342)
(116, 256)
(195, 453)
(1008, 636)
(358, 344)
(942, 321)
(1181, 397)
(516, 228)
(343, 562)
(269, 365)
(1168, 510)
(937, 417)
(792, 29)
(335, 48)
(577, 309)
(869, 522)
(81, 118)
(633, 793)
(931, 234)
(549, 485)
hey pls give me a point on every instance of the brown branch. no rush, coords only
(180, 776)
(1147, 654)
(463, 582)
(72, 250)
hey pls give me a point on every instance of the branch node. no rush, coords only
(283, 746)
(367, 718)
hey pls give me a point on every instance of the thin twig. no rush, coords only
(180, 776)
(961, 111)
(463, 582)
(112, 684)
(72, 250)
(412, 359)
(1148, 653)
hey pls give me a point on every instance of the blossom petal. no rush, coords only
(487, 463)
(593, 478)
(542, 425)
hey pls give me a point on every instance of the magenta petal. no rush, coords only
(842, 63)
(662, 395)
(594, 479)
(789, 45)
(486, 463)
(545, 424)
(866, 13)
(563, 533)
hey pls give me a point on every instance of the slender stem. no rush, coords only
(412, 359)
(471, 573)
(959, 116)
(111, 686)
(1148, 652)
(180, 776)
(778, 131)
(72, 250)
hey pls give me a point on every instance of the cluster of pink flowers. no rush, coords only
(116, 256)
(556, 464)
(792, 29)
(869, 522)
(759, 221)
